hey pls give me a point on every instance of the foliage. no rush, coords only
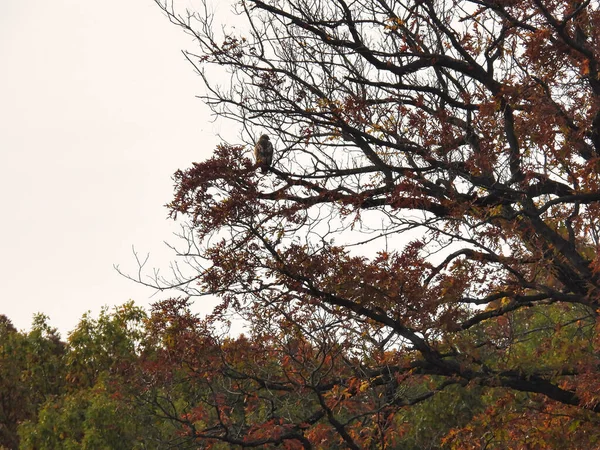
(86, 419)
(429, 223)
(187, 386)
(31, 372)
(93, 404)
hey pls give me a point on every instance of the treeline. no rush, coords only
(165, 379)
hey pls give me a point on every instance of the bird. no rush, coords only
(263, 151)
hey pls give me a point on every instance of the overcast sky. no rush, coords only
(97, 110)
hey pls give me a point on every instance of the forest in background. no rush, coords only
(130, 379)
(417, 261)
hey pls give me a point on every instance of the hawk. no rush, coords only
(263, 151)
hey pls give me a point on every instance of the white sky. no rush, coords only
(97, 110)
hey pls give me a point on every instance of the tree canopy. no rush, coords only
(418, 266)
(431, 213)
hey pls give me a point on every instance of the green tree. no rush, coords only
(106, 345)
(88, 418)
(97, 407)
(31, 371)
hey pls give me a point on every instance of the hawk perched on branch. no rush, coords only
(263, 151)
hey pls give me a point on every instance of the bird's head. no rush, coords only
(264, 137)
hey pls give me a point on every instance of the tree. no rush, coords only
(96, 406)
(431, 214)
(31, 371)
(269, 391)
